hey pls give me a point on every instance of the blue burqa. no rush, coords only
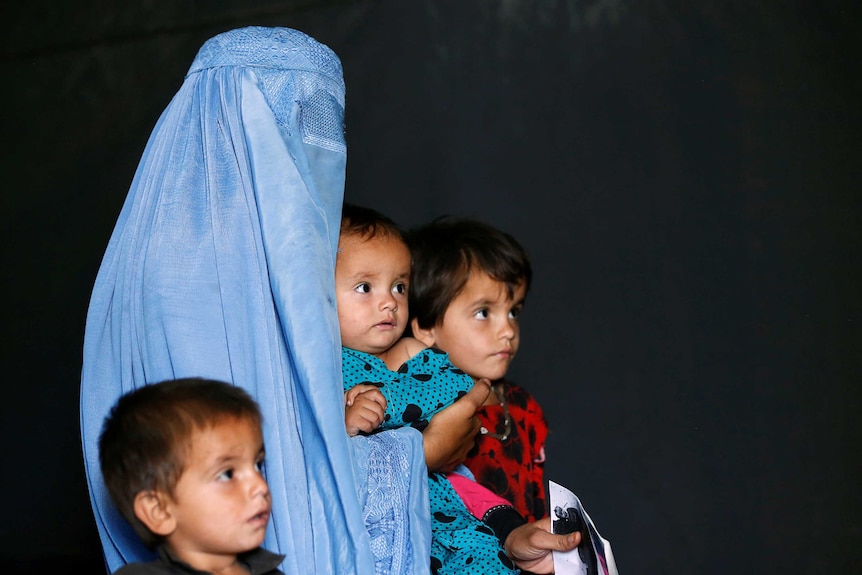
(221, 265)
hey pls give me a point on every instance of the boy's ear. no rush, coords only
(153, 509)
(426, 336)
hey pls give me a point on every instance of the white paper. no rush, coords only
(593, 556)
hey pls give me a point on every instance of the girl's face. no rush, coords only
(480, 329)
(372, 276)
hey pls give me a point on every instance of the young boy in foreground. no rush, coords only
(182, 460)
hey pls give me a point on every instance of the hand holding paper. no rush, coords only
(593, 556)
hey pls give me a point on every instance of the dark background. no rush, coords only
(684, 174)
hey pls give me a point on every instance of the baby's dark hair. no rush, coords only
(446, 250)
(368, 223)
(146, 437)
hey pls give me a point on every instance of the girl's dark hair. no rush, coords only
(146, 437)
(446, 250)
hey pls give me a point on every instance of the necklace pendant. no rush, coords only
(507, 419)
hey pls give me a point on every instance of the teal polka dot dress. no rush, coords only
(460, 543)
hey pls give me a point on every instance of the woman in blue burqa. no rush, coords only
(221, 265)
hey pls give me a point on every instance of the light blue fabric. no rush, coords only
(221, 265)
(386, 477)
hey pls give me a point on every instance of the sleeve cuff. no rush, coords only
(503, 519)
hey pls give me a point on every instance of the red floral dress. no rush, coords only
(513, 465)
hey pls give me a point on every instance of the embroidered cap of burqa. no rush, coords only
(221, 265)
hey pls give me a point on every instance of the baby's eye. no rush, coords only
(514, 312)
(481, 313)
(400, 288)
(225, 475)
(363, 288)
(259, 465)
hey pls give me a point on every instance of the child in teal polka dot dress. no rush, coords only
(392, 382)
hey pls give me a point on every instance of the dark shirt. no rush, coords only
(258, 562)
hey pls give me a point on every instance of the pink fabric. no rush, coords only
(477, 498)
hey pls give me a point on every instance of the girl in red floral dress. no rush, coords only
(468, 286)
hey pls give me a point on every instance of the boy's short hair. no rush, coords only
(145, 439)
(368, 223)
(446, 250)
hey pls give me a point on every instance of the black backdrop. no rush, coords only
(683, 174)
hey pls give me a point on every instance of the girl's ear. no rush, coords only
(153, 509)
(426, 336)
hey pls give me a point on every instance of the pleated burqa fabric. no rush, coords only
(221, 265)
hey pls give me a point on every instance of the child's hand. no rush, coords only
(451, 434)
(530, 546)
(364, 409)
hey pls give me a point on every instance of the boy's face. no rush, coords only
(221, 504)
(371, 280)
(480, 330)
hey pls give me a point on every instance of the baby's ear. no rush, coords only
(153, 509)
(426, 336)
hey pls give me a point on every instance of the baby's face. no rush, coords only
(221, 503)
(480, 329)
(371, 281)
